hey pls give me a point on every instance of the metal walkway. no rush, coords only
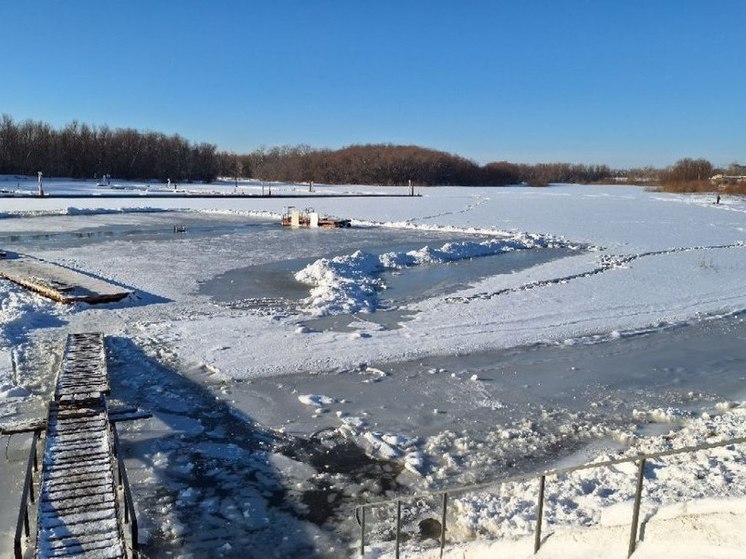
(78, 510)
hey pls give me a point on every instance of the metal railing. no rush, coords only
(130, 517)
(22, 526)
(641, 459)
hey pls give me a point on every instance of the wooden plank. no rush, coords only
(98, 540)
(59, 283)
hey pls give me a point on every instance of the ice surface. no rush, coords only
(662, 262)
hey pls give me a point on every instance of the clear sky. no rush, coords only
(622, 82)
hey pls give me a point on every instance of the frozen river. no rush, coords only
(278, 400)
(573, 396)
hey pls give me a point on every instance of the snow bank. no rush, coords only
(348, 284)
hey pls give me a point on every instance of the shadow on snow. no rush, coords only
(210, 482)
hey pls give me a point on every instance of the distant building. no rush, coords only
(728, 179)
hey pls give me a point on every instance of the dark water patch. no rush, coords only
(430, 280)
(276, 280)
(274, 284)
(159, 226)
(386, 319)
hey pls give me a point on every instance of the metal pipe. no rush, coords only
(362, 531)
(126, 507)
(398, 527)
(636, 508)
(559, 471)
(539, 514)
(642, 458)
(443, 525)
(23, 520)
(129, 507)
(34, 446)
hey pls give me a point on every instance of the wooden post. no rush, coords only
(362, 531)
(636, 508)
(539, 515)
(443, 525)
(398, 527)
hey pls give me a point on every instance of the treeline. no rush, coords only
(83, 151)
(388, 164)
(699, 175)
(688, 175)
(363, 164)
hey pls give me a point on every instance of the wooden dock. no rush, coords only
(78, 512)
(57, 282)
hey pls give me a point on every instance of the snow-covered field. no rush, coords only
(583, 347)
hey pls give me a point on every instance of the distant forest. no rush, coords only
(84, 151)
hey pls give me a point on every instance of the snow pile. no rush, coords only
(343, 284)
(384, 446)
(20, 313)
(660, 415)
(348, 283)
(593, 496)
(463, 458)
(704, 483)
(316, 400)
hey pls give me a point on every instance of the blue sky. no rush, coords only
(625, 82)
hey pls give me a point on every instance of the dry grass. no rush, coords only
(688, 186)
(704, 186)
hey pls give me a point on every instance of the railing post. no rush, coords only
(539, 514)
(130, 515)
(126, 503)
(135, 536)
(398, 527)
(443, 525)
(22, 525)
(641, 460)
(362, 531)
(636, 508)
(34, 441)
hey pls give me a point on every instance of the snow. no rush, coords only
(315, 400)
(348, 284)
(641, 262)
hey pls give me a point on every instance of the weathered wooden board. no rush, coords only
(57, 282)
